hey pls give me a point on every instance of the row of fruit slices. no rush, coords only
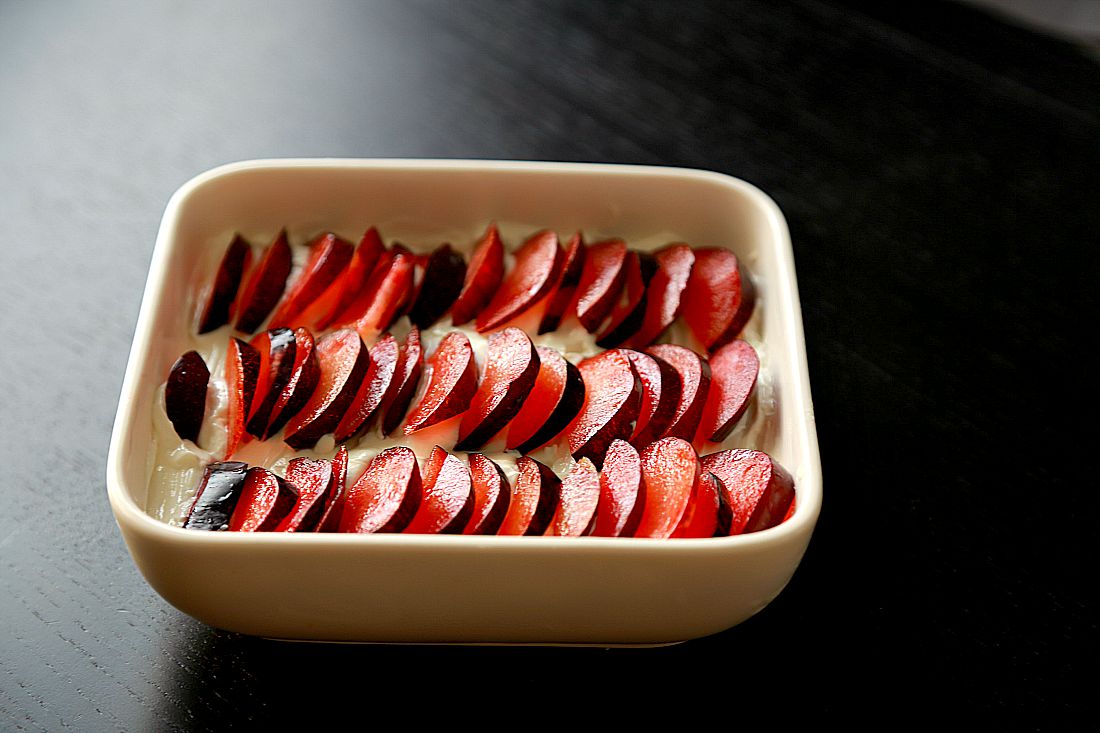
(666, 491)
(528, 396)
(627, 297)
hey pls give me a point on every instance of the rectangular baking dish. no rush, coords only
(466, 589)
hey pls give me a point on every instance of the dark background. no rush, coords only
(939, 171)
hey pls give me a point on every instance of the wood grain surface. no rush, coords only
(939, 170)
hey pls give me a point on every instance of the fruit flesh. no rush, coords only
(219, 305)
(734, 368)
(660, 397)
(757, 491)
(491, 495)
(628, 315)
(406, 378)
(301, 385)
(601, 282)
(611, 403)
(511, 371)
(530, 278)
(483, 278)
(264, 285)
(351, 280)
(701, 516)
(663, 295)
(562, 294)
(386, 496)
(242, 369)
(265, 500)
(622, 491)
(185, 395)
(716, 297)
(277, 349)
(337, 495)
(447, 502)
(694, 373)
(343, 362)
(539, 404)
(452, 382)
(372, 390)
(578, 498)
(670, 470)
(313, 479)
(328, 256)
(533, 501)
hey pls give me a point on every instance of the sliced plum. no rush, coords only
(265, 500)
(536, 268)
(264, 285)
(242, 370)
(756, 491)
(387, 495)
(373, 389)
(670, 470)
(701, 516)
(660, 397)
(351, 281)
(406, 378)
(579, 496)
(337, 494)
(303, 382)
(554, 400)
(328, 256)
(447, 501)
(601, 281)
(512, 365)
(217, 495)
(664, 294)
(386, 292)
(733, 371)
(483, 278)
(452, 382)
(185, 395)
(313, 480)
(276, 348)
(533, 501)
(563, 292)
(444, 273)
(343, 361)
(718, 299)
(622, 492)
(491, 495)
(694, 372)
(629, 313)
(612, 398)
(219, 306)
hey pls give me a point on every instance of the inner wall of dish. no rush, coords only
(431, 205)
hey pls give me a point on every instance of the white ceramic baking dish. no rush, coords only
(417, 588)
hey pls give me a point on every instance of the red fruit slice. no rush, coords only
(375, 386)
(386, 496)
(580, 493)
(265, 500)
(447, 502)
(670, 470)
(349, 283)
(790, 512)
(562, 293)
(555, 399)
(622, 492)
(629, 313)
(452, 382)
(337, 494)
(701, 516)
(533, 501)
(219, 304)
(378, 304)
(612, 398)
(277, 348)
(343, 362)
(444, 273)
(313, 479)
(756, 491)
(660, 397)
(733, 369)
(483, 277)
(719, 297)
(242, 368)
(185, 395)
(534, 273)
(510, 372)
(601, 282)
(264, 285)
(303, 382)
(328, 256)
(694, 375)
(217, 496)
(663, 296)
(406, 378)
(491, 496)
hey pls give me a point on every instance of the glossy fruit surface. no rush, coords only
(530, 278)
(452, 382)
(185, 395)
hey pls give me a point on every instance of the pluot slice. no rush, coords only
(701, 516)
(385, 498)
(406, 378)
(242, 370)
(313, 480)
(664, 294)
(444, 273)
(491, 495)
(601, 282)
(447, 501)
(381, 299)
(373, 389)
(660, 397)
(185, 395)
(304, 377)
(452, 382)
(343, 362)
(223, 294)
(328, 256)
(337, 494)
(535, 270)
(718, 299)
(733, 371)
(276, 348)
(217, 495)
(349, 282)
(756, 491)
(579, 496)
(264, 286)
(612, 398)
(622, 492)
(564, 290)
(629, 313)
(533, 501)
(483, 277)
(694, 372)
(511, 368)
(265, 500)
(670, 470)
(553, 401)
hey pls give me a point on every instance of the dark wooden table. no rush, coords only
(940, 171)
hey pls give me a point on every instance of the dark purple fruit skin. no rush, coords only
(549, 496)
(226, 283)
(506, 410)
(633, 322)
(185, 395)
(283, 348)
(217, 496)
(307, 382)
(572, 400)
(276, 266)
(443, 278)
